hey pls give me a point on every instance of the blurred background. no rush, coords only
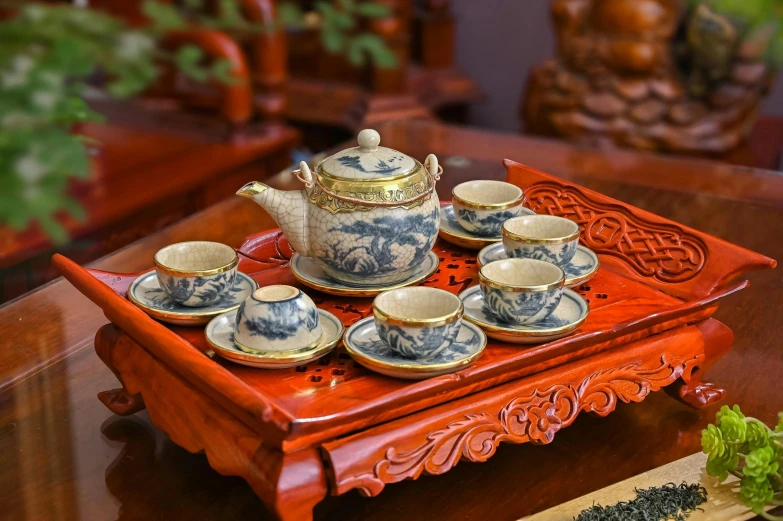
(121, 117)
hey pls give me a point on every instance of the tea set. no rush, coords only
(364, 225)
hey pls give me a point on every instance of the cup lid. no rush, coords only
(369, 161)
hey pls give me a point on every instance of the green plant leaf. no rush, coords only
(376, 48)
(221, 69)
(333, 40)
(373, 10)
(188, 58)
(290, 15)
(164, 17)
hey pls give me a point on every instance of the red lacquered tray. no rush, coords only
(655, 276)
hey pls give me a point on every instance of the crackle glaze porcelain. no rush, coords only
(311, 273)
(567, 316)
(541, 237)
(582, 267)
(196, 273)
(417, 322)
(147, 294)
(364, 344)
(368, 216)
(277, 318)
(521, 291)
(451, 231)
(482, 206)
(220, 335)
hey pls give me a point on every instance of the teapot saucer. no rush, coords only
(366, 347)
(147, 294)
(582, 267)
(220, 335)
(309, 272)
(451, 231)
(569, 315)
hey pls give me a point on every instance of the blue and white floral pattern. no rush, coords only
(566, 317)
(278, 325)
(527, 307)
(385, 245)
(362, 341)
(583, 265)
(197, 291)
(559, 254)
(485, 224)
(419, 342)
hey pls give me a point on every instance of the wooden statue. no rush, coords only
(646, 74)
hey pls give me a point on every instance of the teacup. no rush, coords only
(541, 237)
(482, 206)
(277, 319)
(521, 291)
(418, 322)
(196, 273)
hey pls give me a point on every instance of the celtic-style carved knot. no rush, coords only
(664, 252)
(534, 418)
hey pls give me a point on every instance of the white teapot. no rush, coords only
(369, 216)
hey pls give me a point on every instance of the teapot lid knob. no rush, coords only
(369, 140)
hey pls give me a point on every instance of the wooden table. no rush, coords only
(66, 457)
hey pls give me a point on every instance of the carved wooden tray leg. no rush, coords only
(696, 392)
(119, 401)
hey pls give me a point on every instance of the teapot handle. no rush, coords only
(304, 175)
(433, 168)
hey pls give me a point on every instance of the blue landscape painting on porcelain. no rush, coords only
(382, 167)
(197, 291)
(560, 254)
(521, 307)
(466, 343)
(417, 342)
(583, 262)
(485, 224)
(391, 244)
(282, 321)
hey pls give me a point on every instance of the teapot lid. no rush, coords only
(368, 160)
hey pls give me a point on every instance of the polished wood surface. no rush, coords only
(67, 458)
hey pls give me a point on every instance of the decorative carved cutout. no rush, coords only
(666, 253)
(534, 418)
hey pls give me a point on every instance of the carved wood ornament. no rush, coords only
(647, 74)
(296, 434)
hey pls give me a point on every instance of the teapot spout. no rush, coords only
(287, 208)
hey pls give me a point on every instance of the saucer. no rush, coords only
(451, 231)
(581, 268)
(147, 294)
(366, 347)
(569, 315)
(220, 335)
(309, 272)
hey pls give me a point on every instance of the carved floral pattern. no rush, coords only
(534, 418)
(664, 252)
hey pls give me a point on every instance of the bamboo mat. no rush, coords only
(722, 502)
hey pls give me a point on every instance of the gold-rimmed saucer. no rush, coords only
(580, 269)
(309, 272)
(451, 231)
(220, 335)
(567, 317)
(366, 347)
(145, 292)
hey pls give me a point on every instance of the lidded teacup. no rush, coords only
(277, 319)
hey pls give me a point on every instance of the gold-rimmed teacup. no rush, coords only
(277, 319)
(542, 237)
(418, 322)
(196, 273)
(482, 206)
(521, 291)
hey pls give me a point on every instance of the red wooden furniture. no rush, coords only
(332, 426)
